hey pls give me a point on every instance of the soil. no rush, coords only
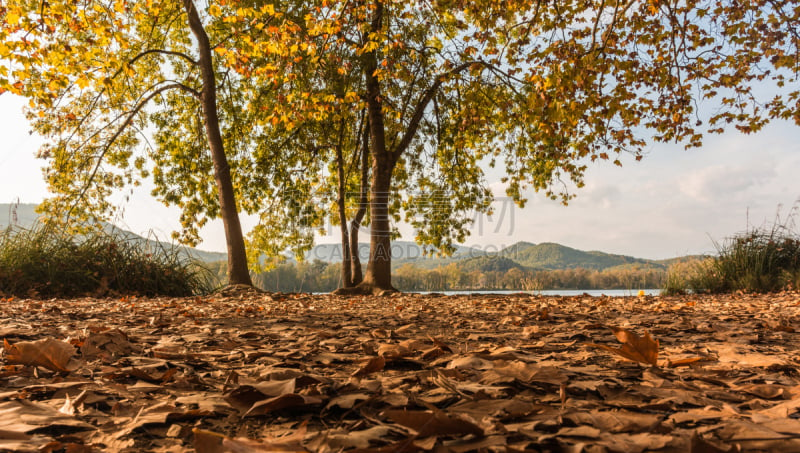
(249, 371)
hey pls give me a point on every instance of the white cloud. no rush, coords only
(721, 182)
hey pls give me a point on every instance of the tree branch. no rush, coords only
(128, 120)
(416, 118)
(164, 52)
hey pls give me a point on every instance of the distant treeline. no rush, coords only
(318, 276)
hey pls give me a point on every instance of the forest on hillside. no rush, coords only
(319, 276)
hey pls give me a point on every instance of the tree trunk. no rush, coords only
(238, 272)
(379, 267)
(347, 278)
(363, 199)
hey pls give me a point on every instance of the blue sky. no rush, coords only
(674, 202)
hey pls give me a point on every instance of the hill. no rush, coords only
(551, 256)
(525, 255)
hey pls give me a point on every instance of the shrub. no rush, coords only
(696, 276)
(46, 263)
(761, 260)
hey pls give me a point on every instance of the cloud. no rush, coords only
(727, 182)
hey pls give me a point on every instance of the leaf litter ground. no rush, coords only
(248, 371)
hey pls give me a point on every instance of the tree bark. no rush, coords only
(363, 199)
(379, 267)
(238, 272)
(347, 259)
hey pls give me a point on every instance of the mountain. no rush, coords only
(24, 215)
(549, 255)
(544, 256)
(488, 263)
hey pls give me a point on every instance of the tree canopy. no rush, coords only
(444, 89)
(540, 89)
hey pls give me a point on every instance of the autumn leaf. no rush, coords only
(373, 365)
(636, 348)
(430, 423)
(288, 401)
(48, 353)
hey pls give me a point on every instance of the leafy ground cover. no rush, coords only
(249, 371)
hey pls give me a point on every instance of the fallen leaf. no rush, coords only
(428, 423)
(373, 365)
(288, 401)
(636, 348)
(49, 353)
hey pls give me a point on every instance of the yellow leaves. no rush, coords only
(268, 9)
(53, 85)
(119, 6)
(214, 10)
(652, 7)
(636, 348)
(12, 18)
(369, 47)
(351, 96)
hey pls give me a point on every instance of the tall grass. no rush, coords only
(43, 262)
(761, 260)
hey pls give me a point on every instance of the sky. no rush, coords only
(673, 202)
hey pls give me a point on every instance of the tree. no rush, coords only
(98, 74)
(543, 89)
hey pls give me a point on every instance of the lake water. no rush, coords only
(560, 292)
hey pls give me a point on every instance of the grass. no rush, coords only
(762, 260)
(42, 262)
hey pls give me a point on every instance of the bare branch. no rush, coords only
(163, 52)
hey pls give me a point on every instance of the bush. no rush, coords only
(761, 260)
(696, 276)
(44, 262)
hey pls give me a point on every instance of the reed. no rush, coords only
(44, 262)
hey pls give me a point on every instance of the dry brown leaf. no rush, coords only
(291, 400)
(700, 445)
(208, 441)
(342, 439)
(347, 401)
(48, 353)
(394, 351)
(23, 416)
(685, 362)
(110, 344)
(615, 421)
(211, 442)
(429, 423)
(373, 365)
(636, 348)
